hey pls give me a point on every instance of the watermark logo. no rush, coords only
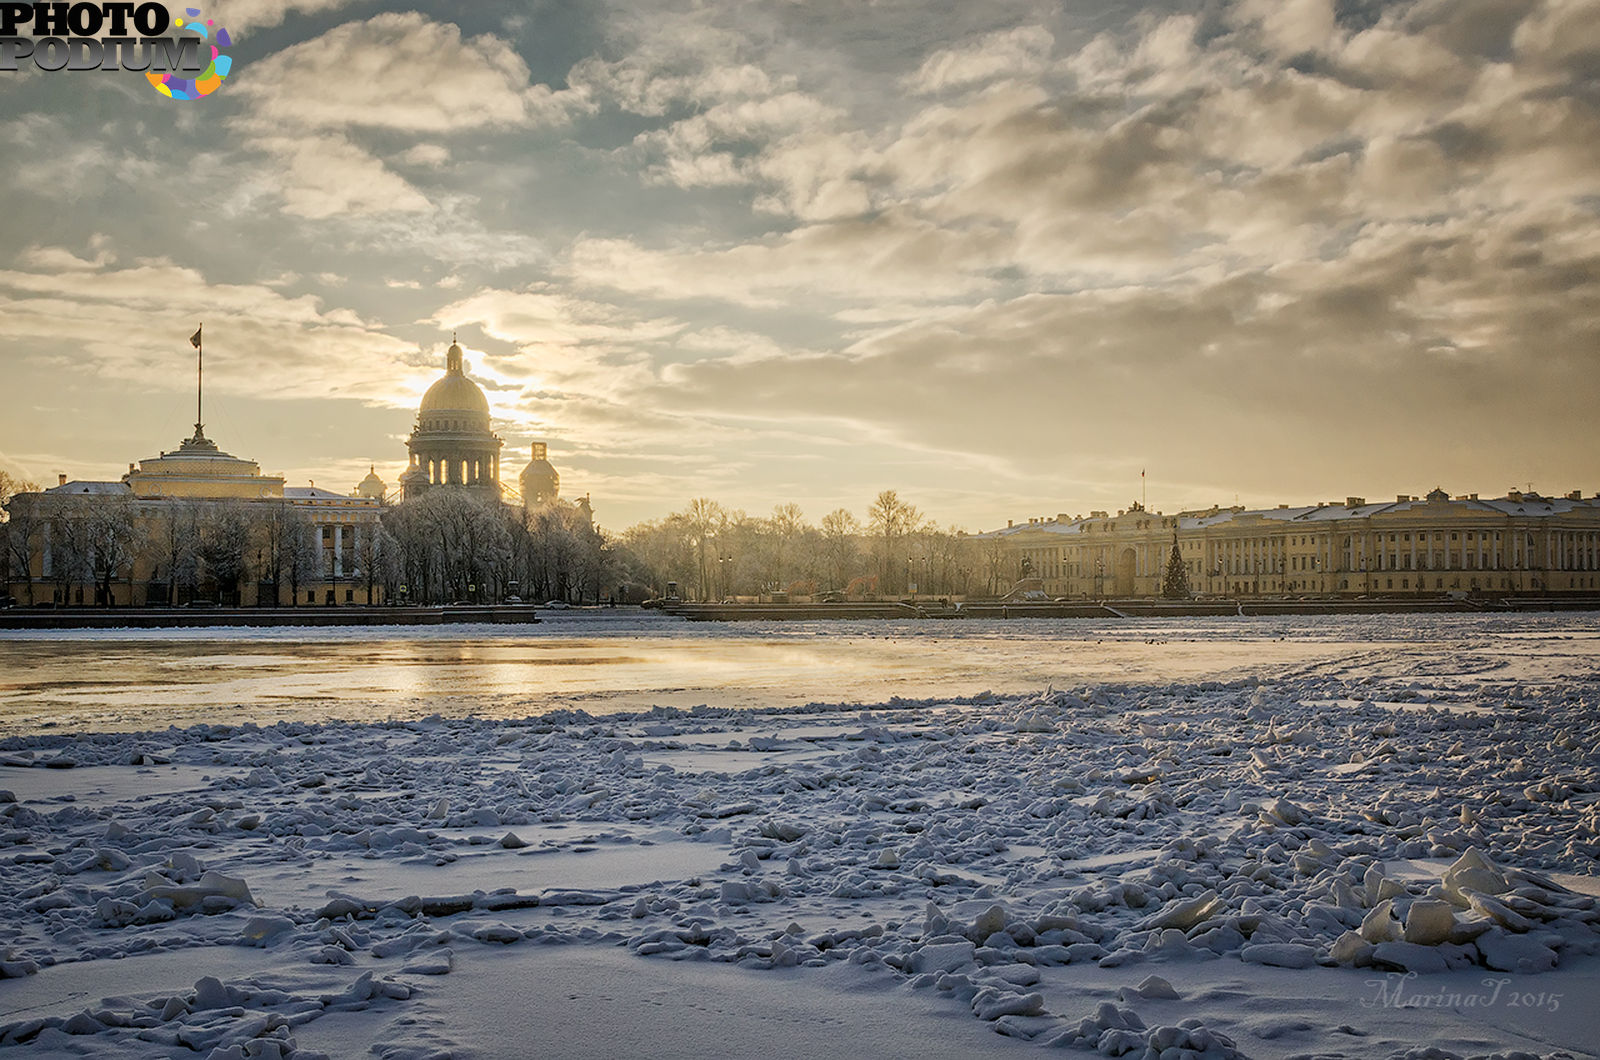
(142, 37)
(1395, 991)
(215, 38)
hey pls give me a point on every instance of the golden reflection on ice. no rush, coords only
(148, 680)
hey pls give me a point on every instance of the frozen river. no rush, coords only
(604, 661)
(897, 881)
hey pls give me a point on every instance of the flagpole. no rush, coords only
(199, 381)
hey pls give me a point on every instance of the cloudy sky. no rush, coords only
(998, 256)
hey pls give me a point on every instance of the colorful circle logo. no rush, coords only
(174, 85)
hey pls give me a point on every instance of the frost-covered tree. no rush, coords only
(225, 532)
(112, 532)
(20, 526)
(68, 543)
(302, 552)
(174, 536)
(892, 520)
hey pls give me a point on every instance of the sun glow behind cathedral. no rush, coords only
(454, 445)
(198, 524)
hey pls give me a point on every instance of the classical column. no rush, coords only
(338, 550)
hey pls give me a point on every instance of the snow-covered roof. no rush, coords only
(314, 493)
(1529, 505)
(1048, 526)
(83, 486)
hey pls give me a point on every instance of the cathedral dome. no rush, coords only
(455, 392)
(454, 444)
(371, 486)
(539, 481)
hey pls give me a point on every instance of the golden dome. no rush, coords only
(455, 392)
(371, 486)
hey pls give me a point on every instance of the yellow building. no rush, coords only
(1521, 543)
(195, 523)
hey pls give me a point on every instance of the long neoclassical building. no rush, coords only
(280, 544)
(1522, 543)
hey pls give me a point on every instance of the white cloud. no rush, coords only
(326, 175)
(1015, 53)
(671, 59)
(395, 73)
(240, 15)
(893, 255)
(402, 72)
(426, 155)
(129, 321)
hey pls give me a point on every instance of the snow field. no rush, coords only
(1209, 869)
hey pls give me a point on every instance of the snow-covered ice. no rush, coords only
(1377, 839)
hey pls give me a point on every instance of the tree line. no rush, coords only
(712, 553)
(458, 545)
(450, 545)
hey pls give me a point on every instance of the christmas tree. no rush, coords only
(1175, 583)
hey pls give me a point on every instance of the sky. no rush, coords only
(999, 257)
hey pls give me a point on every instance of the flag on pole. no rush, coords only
(194, 340)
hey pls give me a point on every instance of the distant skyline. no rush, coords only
(999, 258)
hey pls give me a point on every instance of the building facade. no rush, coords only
(193, 524)
(1519, 544)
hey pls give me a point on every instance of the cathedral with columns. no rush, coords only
(454, 445)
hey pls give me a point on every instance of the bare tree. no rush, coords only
(67, 543)
(892, 521)
(840, 529)
(705, 518)
(370, 556)
(225, 530)
(20, 527)
(785, 529)
(301, 552)
(173, 538)
(114, 539)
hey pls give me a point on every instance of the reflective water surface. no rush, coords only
(604, 661)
